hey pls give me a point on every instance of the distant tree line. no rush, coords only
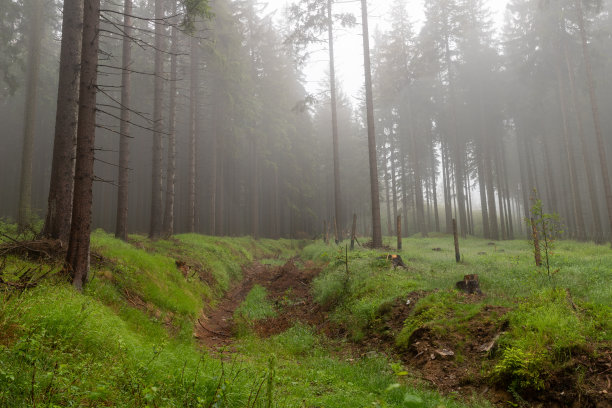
(201, 122)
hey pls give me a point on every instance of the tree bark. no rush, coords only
(168, 226)
(77, 257)
(483, 194)
(387, 194)
(435, 193)
(193, 109)
(334, 114)
(59, 211)
(34, 45)
(376, 226)
(458, 147)
(121, 231)
(156, 173)
(493, 228)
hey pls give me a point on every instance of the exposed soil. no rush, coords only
(452, 363)
(288, 286)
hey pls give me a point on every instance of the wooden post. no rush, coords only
(399, 232)
(457, 254)
(536, 243)
(336, 237)
(325, 231)
(353, 231)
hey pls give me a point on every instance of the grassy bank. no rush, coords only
(128, 339)
(541, 321)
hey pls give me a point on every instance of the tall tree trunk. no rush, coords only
(156, 179)
(168, 226)
(507, 194)
(124, 126)
(418, 187)
(573, 179)
(376, 227)
(254, 189)
(448, 209)
(34, 44)
(387, 195)
(491, 197)
(482, 175)
(214, 149)
(435, 190)
(551, 184)
(404, 191)
(500, 199)
(597, 231)
(193, 120)
(458, 146)
(483, 194)
(334, 114)
(59, 211)
(393, 182)
(77, 257)
(277, 206)
(603, 161)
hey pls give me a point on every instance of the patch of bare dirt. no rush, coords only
(214, 328)
(288, 287)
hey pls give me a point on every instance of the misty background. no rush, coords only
(477, 104)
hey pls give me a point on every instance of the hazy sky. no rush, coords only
(348, 45)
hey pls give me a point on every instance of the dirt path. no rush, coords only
(288, 287)
(287, 284)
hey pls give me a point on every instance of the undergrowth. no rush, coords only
(548, 321)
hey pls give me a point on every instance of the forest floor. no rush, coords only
(232, 322)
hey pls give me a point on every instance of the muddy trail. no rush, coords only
(451, 363)
(288, 286)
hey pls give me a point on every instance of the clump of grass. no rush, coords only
(298, 340)
(546, 329)
(255, 306)
(441, 312)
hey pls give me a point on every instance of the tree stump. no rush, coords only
(469, 285)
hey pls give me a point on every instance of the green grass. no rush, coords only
(127, 340)
(59, 347)
(309, 375)
(544, 328)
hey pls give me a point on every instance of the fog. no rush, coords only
(479, 109)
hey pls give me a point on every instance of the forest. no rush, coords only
(203, 179)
